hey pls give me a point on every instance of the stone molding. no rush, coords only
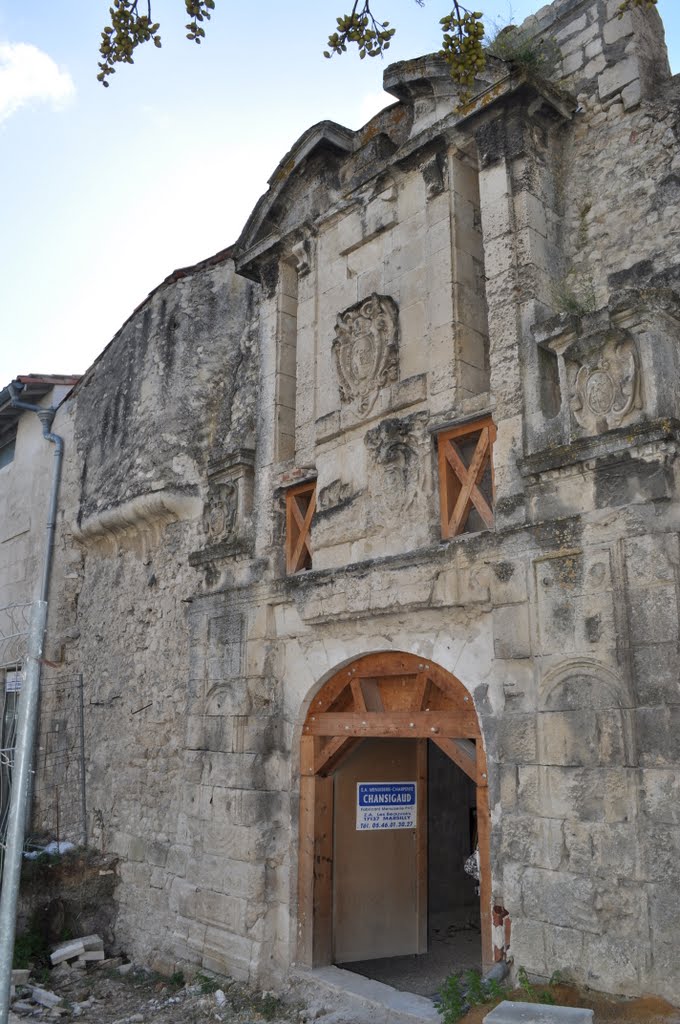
(145, 515)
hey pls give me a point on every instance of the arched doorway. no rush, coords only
(393, 696)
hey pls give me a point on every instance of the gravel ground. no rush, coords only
(101, 995)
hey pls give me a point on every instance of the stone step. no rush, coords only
(340, 994)
(537, 1013)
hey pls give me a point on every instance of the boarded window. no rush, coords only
(300, 505)
(466, 478)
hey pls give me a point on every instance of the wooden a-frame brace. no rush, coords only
(389, 694)
(459, 489)
(300, 507)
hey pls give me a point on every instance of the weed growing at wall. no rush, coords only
(457, 997)
(535, 56)
(534, 995)
(576, 299)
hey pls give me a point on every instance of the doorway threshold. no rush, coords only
(349, 998)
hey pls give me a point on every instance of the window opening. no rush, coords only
(300, 505)
(7, 452)
(466, 478)
(286, 360)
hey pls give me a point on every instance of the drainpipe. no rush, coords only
(27, 720)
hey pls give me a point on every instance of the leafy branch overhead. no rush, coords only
(129, 28)
(462, 34)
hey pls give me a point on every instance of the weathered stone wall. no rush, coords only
(152, 421)
(512, 258)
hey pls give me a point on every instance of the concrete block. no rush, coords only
(45, 998)
(67, 952)
(532, 1013)
(92, 955)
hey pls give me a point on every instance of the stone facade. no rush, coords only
(513, 258)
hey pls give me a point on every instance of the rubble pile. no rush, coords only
(84, 984)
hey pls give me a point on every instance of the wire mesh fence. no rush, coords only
(57, 794)
(59, 811)
(14, 626)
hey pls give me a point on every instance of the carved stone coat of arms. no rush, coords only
(604, 382)
(366, 350)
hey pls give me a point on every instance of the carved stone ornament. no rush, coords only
(604, 383)
(219, 516)
(366, 350)
(396, 447)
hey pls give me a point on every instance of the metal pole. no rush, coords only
(21, 773)
(83, 800)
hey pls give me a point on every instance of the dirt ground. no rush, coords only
(607, 1009)
(104, 996)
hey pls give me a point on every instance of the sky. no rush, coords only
(106, 191)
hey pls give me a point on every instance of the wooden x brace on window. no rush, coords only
(459, 484)
(300, 506)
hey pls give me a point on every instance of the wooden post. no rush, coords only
(323, 873)
(421, 846)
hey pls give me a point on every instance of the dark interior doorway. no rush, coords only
(453, 907)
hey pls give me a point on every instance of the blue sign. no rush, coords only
(386, 805)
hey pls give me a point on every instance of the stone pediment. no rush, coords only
(263, 229)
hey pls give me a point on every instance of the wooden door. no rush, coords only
(380, 873)
(386, 697)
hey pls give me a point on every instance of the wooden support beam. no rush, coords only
(460, 753)
(358, 694)
(322, 953)
(372, 699)
(485, 894)
(421, 847)
(422, 692)
(330, 693)
(417, 724)
(333, 752)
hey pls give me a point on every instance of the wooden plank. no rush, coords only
(453, 512)
(372, 697)
(421, 846)
(307, 755)
(422, 692)
(397, 693)
(469, 477)
(330, 692)
(323, 873)
(330, 755)
(485, 891)
(417, 724)
(442, 443)
(465, 429)
(387, 663)
(303, 542)
(305, 922)
(458, 754)
(298, 525)
(358, 694)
